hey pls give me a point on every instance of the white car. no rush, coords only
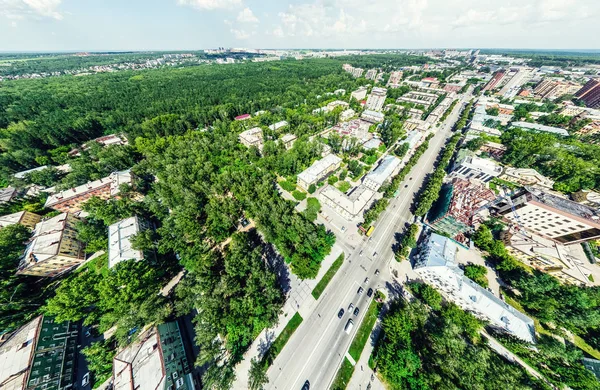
(86, 380)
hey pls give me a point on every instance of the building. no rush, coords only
(593, 365)
(349, 206)
(243, 117)
(376, 99)
(395, 79)
(587, 197)
(278, 125)
(372, 116)
(336, 103)
(40, 355)
(288, 140)
(375, 179)
(498, 76)
(550, 88)
(550, 216)
(24, 218)
(318, 170)
(494, 149)
(107, 140)
(424, 99)
(7, 194)
(157, 360)
(526, 177)
(430, 82)
(590, 93)
(457, 205)
(339, 92)
(519, 77)
(119, 241)
(371, 74)
(347, 114)
(356, 128)
(357, 72)
(359, 94)
(468, 166)
(72, 200)
(53, 248)
(437, 264)
(252, 137)
(538, 127)
(415, 113)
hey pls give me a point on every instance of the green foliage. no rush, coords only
(343, 376)
(320, 287)
(355, 168)
(401, 150)
(99, 356)
(477, 273)
(332, 179)
(257, 375)
(312, 209)
(311, 189)
(571, 163)
(419, 349)
(430, 109)
(428, 294)
(448, 111)
(299, 195)
(475, 144)
(286, 185)
(364, 331)
(493, 111)
(396, 180)
(407, 242)
(282, 339)
(432, 190)
(377, 208)
(343, 186)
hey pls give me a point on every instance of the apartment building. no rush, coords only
(107, 140)
(71, 200)
(7, 194)
(375, 179)
(550, 88)
(372, 116)
(119, 240)
(437, 265)
(53, 249)
(252, 137)
(376, 99)
(550, 216)
(469, 166)
(349, 206)
(395, 79)
(157, 360)
(24, 218)
(359, 94)
(42, 354)
(288, 140)
(318, 170)
(371, 74)
(347, 114)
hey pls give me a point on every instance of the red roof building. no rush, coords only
(243, 117)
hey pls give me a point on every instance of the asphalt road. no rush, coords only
(317, 348)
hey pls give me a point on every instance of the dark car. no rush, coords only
(406, 186)
(376, 272)
(306, 386)
(341, 313)
(370, 292)
(360, 290)
(356, 311)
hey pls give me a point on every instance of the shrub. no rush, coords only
(298, 195)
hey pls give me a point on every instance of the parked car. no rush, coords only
(360, 290)
(376, 272)
(356, 311)
(370, 292)
(366, 280)
(86, 380)
(306, 386)
(341, 313)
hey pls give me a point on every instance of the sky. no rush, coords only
(91, 25)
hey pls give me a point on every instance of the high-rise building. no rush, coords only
(359, 94)
(371, 74)
(590, 93)
(551, 216)
(376, 99)
(395, 79)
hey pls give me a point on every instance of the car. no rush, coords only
(341, 313)
(366, 280)
(360, 254)
(375, 254)
(360, 290)
(86, 380)
(376, 272)
(406, 186)
(350, 307)
(306, 386)
(343, 228)
(356, 311)
(410, 178)
(370, 292)
(349, 326)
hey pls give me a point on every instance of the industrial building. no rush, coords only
(551, 216)
(437, 264)
(53, 249)
(318, 170)
(156, 360)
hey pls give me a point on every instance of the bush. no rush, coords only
(477, 273)
(343, 186)
(343, 174)
(298, 195)
(312, 208)
(312, 188)
(286, 185)
(332, 179)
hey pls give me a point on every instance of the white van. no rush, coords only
(349, 326)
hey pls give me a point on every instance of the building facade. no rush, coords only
(24, 218)
(318, 170)
(359, 94)
(590, 93)
(376, 99)
(375, 179)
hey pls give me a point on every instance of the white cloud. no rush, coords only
(247, 16)
(211, 4)
(35, 9)
(240, 34)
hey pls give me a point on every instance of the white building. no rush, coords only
(372, 116)
(359, 94)
(347, 114)
(371, 74)
(119, 241)
(252, 137)
(526, 177)
(288, 140)
(375, 179)
(538, 127)
(278, 125)
(376, 99)
(348, 206)
(437, 264)
(395, 79)
(473, 167)
(318, 170)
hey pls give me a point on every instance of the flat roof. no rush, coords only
(119, 241)
(536, 126)
(114, 181)
(46, 239)
(11, 219)
(384, 170)
(315, 171)
(568, 206)
(16, 355)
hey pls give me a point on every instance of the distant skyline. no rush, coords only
(110, 25)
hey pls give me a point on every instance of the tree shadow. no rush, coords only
(265, 343)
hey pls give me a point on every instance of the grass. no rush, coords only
(581, 344)
(282, 339)
(363, 333)
(343, 186)
(320, 287)
(343, 375)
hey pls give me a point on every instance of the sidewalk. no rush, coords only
(299, 300)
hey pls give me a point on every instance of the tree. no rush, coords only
(257, 375)
(311, 189)
(99, 356)
(477, 273)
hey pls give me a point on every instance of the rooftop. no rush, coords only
(278, 125)
(565, 205)
(46, 239)
(140, 365)
(352, 203)
(315, 171)
(16, 355)
(538, 127)
(114, 181)
(384, 170)
(119, 241)
(7, 194)
(11, 219)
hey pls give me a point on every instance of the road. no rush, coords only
(317, 348)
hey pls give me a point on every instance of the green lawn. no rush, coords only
(320, 287)
(363, 333)
(343, 376)
(282, 339)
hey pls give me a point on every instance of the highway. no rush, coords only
(317, 348)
